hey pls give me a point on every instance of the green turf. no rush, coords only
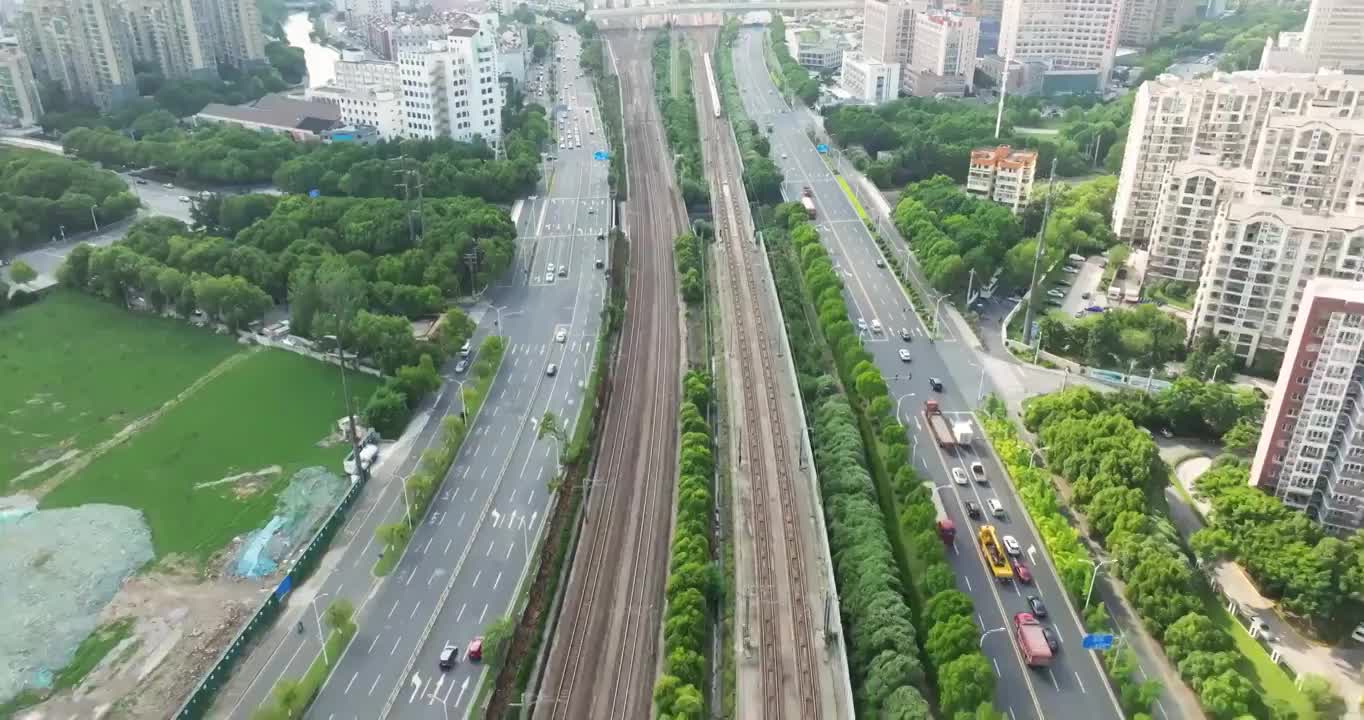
(91, 651)
(77, 370)
(271, 409)
(1270, 680)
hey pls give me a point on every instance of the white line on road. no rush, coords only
(373, 642)
(376, 684)
(395, 607)
(510, 545)
(414, 610)
(352, 682)
(395, 644)
(417, 685)
(461, 521)
(477, 575)
(490, 549)
(447, 546)
(428, 542)
(996, 664)
(461, 612)
(497, 581)
(1081, 682)
(967, 580)
(433, 576)
(483, 614)
(1054, 684)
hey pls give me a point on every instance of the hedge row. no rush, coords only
(679, 120)
(691, 592)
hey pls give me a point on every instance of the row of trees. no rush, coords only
(1314, 576)
(1114, 470)
(794, 77)
(694, 587)
(687, 254)
(677, 105)
(883, 643)
(762, 179)
(43, 196)
(213, 154)
(1068, 554)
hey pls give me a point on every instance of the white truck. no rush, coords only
(963, 432)
(368, 454)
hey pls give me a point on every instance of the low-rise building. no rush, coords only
(815, 49)
(1311, 450)
(1003, 175)
(379, 108)
(302, 120)
(867, 81)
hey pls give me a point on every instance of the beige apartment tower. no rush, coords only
(1074, 40)
(80, 46)
(20, 105)
(1146, 21)
(1334, 35)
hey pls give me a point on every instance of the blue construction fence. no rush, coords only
(201, 699)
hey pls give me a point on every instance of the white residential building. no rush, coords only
(1003, 175)
(381, 109)
(943, 54)
(388, 36)
(451, 88)
(1311, 450)
(20, 105)
(1334, 34)
(1219, 121)
(1074, 39)
(815, 49)
(888, 29)
(80, 46)
(867, 81)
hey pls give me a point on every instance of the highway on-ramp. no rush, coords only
(1073, 686)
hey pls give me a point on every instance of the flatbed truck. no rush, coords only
(993, 553)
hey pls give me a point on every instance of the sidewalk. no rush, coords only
(1302, 655)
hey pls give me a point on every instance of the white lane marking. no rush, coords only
(996, 664)
(461, 521)
(395, 644)
(414, 610)
(968, 589)
(477, 575)
(509, 549)
(461, 612)
(374, 685)
(483, 614)
(447, 546)
(416, 686)
(373, 642)
(427, 548)
(1053, 680)
(490, 549)
(497, 581)
(395, 607)
(1081, 682)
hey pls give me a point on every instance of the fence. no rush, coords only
(201, 698)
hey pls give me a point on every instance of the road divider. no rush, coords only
(291, 698)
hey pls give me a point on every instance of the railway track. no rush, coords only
(602, 662)
(762, 410)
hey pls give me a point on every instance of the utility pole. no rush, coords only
(1037, 256)
(1003, 90)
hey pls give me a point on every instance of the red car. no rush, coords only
(1022, 572)
(476, 649)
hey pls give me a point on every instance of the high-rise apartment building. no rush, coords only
(1219, 124)
(450, 88)
(388, 36)
(943, 56)
(1311, 450)
(79, 45)
(167, 34)
(1075, 40)
(232, 28)
(1003, 175)
(20, 105)
(1334, 34)
(1146, 21)
(888, 29)
(358, 12)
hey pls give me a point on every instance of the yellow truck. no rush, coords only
(993, 553)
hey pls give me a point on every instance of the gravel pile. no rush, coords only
(60, 568)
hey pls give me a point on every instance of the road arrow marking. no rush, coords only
(497, 518)
(462, 688)
(416, 686)
(1032, 554)
(439, 681)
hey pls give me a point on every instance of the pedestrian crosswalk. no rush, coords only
(572, 347)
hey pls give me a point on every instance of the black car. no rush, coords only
(972, 509)
(1038, 609)
(1053, 642)
(904, 335)
(880, 263)
(935, 383)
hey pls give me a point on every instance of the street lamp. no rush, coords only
(463, 413)
(1032, 456)
(1214, 373)
(318, 619)
(1092, 576)
(937, 317)
(93, 218)
(987, 633)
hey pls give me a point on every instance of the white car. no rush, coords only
(1071, 269)
(904, 355)
(549, 268)
(561, 336)
(978, 470)
(958, 476)
(861, 324)
(549, 277)
(1056, 293)
(1011, 546)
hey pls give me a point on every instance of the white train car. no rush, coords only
(714, 89)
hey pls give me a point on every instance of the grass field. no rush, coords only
(76, 370)
(272, 408)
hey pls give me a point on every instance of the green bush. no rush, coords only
(679, 119)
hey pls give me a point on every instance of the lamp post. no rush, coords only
(93, 218)
(322, 637)
(1032, 456)
(987, 633)
(937, 317)
(463, 412)
(1092, 576)
(350, 411)
(1214, 373)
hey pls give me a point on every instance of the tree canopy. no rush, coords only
(42, 195)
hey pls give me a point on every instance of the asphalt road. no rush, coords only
(1073, 685)
(467, 559)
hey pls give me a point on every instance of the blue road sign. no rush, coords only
(600, 155)
(314, 193)
(1097, 642)
(822, 148)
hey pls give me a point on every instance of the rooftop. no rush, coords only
(278, 111)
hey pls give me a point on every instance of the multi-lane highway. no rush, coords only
(1073, 685)
(466, 559)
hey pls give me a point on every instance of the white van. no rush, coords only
(465, 348)
(876, 326)
(996, 508)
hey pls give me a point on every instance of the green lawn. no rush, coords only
(76, 370)
(1270, 680)
(271, 409)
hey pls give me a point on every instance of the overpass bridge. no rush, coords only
(721, 7)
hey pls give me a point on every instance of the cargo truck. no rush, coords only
(947, 436)
(947, 530)
(807, 201)
(994, 555)
(1032, 642)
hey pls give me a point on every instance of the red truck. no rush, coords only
(807, 201)
(1031, 641)
(937, 424)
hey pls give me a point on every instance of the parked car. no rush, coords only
(1056, 293)
(461, 366)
